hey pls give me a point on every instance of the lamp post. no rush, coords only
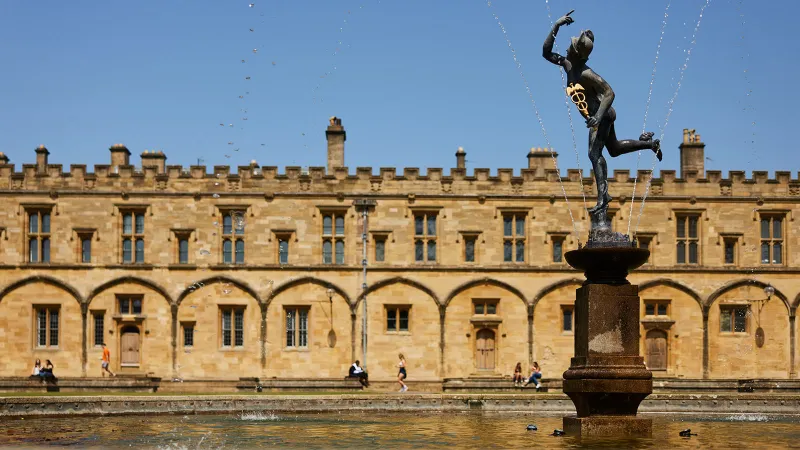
(331, 333)
(769, 291)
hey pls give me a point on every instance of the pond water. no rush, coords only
(347, 430)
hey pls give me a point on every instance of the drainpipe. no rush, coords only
(365, 216)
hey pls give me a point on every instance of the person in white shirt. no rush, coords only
(357, 371)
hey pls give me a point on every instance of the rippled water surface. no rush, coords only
(385, 430)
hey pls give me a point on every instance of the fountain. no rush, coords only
(607, 378)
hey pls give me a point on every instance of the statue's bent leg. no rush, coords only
(616, 147)
(597, 140)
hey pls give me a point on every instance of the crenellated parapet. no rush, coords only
(539, 178)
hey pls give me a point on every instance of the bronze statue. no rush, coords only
(593, 96)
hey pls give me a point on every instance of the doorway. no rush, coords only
(129, 347)
(656, 350)
(484, 349)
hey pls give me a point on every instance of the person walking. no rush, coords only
(106, 360)
(402, 374)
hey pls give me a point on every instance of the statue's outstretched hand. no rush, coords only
(565, 19)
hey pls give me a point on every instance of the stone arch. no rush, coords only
(129, 279)
(42, 279)
(304, 280)
(741, 283)
(483, 282)
(675, 285)
(554, 287)
(401, 280)
(220, 279)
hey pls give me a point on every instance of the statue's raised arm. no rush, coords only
(547, 49)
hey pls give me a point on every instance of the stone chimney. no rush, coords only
(41, 158)
(461, 158)
(541, 159)
(336, 137)
(155, 159)
(692, 154)
(120, 155)
(3, 158)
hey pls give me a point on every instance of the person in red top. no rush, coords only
(106, 360)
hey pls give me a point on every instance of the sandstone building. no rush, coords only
(198, 274)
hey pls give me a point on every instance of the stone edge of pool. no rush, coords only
(779, 404)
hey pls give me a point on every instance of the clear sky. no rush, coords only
(412, 80)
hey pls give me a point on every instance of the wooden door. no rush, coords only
(129, 346)
(484, 342)
(656, 350)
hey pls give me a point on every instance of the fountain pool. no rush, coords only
(382, 430)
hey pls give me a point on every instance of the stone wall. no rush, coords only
(192, 203)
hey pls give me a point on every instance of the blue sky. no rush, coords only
(412, 80)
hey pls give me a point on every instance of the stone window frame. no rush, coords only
(731, 310)
(737, 239)
(235, 332)
(81, 234)
(130, 299)
(426, 238)
(132, 210)
(467, 235)
(397, 308)
(333, 237)
(563, 308)
(554, 237)
(226, 212)
(485, 302)
(95, 314)
(296, 328)
(48, 308)
(384, 236)
(188, 325)
(657, 302)
(770, 215)
(651, 238)
(678, 215)
(39, 209)
(183, 234)
(514, 238)
(280, 236)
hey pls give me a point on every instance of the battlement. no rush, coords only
(539, 178)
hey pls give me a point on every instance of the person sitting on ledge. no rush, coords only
(518, 375)
(357, 372)
(46, 372)
(536, 375)
(37, 367)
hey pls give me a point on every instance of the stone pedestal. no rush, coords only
(607, 379)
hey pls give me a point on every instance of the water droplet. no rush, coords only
(252, 4)
(215, 195)
(204, 252)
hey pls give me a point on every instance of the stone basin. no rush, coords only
(607, 265)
